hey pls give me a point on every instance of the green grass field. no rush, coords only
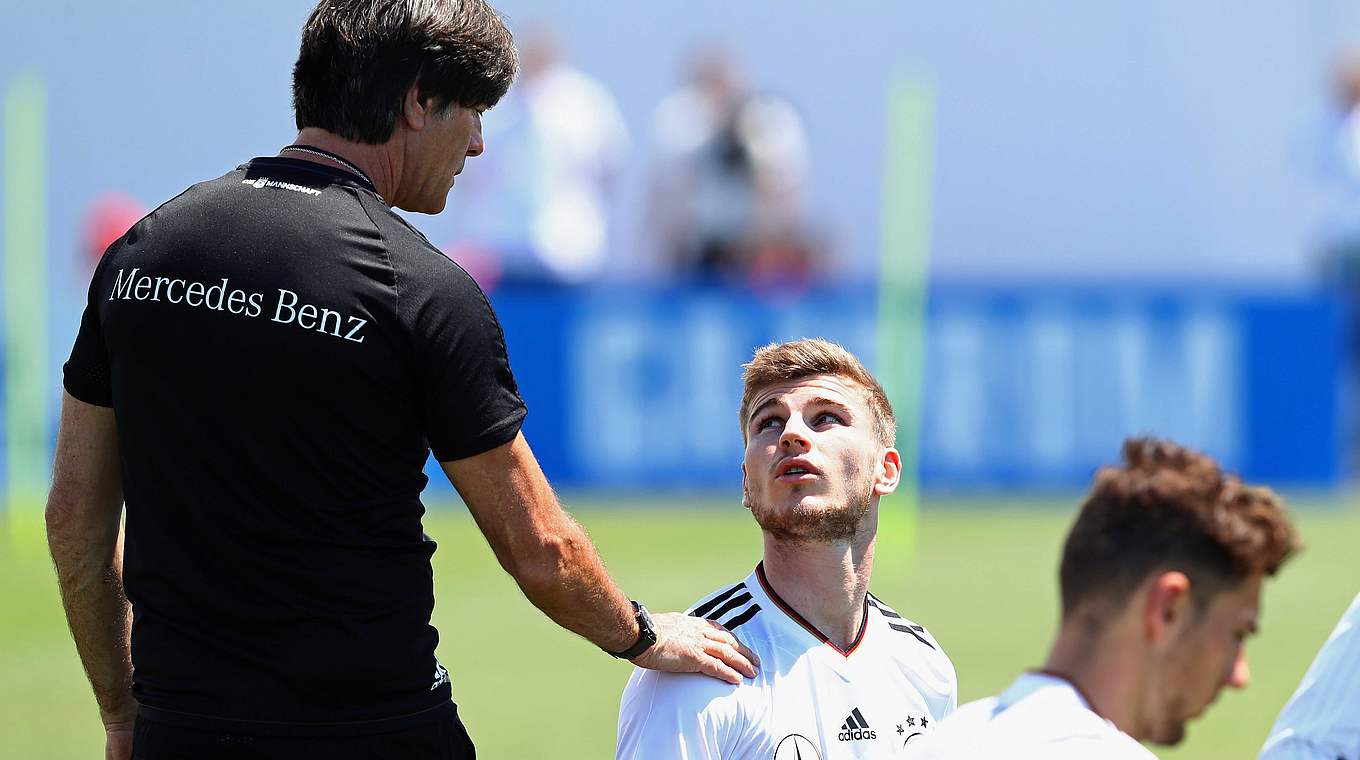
(982, 581)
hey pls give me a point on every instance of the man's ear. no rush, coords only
(416, 111)
(1168, 607)
(745, 492)
(889, 472)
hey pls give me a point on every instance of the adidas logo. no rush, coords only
(855, 728)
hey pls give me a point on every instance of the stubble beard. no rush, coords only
(816, 524)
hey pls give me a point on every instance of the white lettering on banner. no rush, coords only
(1051, 368)
(220, 296)
(1053, 391)
(1043, 391)
(632, 374)
(608, 356)
(709, 354)
(958, 381)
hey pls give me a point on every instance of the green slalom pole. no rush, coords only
(25, 293)
(903, 270)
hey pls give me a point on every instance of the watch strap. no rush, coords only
(646, 634)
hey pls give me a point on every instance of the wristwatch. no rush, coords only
(646, 635)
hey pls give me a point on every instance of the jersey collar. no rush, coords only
(809, 627)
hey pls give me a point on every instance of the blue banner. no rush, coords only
(638, 389)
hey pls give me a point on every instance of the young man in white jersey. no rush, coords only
(843, 675)
(1322, 719)
(1161, 585)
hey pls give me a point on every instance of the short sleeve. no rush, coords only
(677, 716)
(470, 402)
(86, 373)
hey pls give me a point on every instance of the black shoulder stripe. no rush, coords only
(736, 622)
(878, 604)
(731, 604)
(703, 609)
(914, 630)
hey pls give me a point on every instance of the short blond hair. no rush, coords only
(795, 360)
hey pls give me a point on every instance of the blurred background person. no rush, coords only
(1340, 234)
(1340, 161)
(538, 213)
(729, 192)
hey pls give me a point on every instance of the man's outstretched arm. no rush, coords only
(84, 510)
(558, 568)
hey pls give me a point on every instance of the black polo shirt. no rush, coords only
(282, 352)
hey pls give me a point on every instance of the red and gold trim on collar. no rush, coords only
(809, 627)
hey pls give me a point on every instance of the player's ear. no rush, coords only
(416, 111)
(1168, 607)
(745, 489)
(889, 472)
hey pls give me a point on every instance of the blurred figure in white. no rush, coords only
(539, 213)
(1338, 161)
(1322, 719)
(729, 192)
(1340, 165)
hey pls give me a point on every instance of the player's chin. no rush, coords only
(1170, 735)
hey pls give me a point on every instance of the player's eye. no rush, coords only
(765, 423)
(824, 418)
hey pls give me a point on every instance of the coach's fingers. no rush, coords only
(715, 667)
(750, 655)
(732, 656)
(719, 633)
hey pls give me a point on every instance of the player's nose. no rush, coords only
(794, 437)
(1239, 675)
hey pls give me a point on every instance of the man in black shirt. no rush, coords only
(264, 364)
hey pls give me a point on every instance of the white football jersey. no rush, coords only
(1322, 719)
(1040, 717)
(810, 700)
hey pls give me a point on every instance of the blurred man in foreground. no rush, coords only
(1161, 585)
(265, 364)
(1322, 719)
(842, 675)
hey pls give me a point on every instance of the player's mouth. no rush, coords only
(796, 470)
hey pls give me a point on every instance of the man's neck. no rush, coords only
(823, 582)
(375, 161)
(1105, 670)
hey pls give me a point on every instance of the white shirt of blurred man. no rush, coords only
(843, 675)
(540, 206)
(731, 169)
(1322, 719)
(1161, 583)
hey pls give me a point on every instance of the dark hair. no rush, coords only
(359, 58)
(1170, 508)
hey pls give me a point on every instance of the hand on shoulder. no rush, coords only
(687, 644)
